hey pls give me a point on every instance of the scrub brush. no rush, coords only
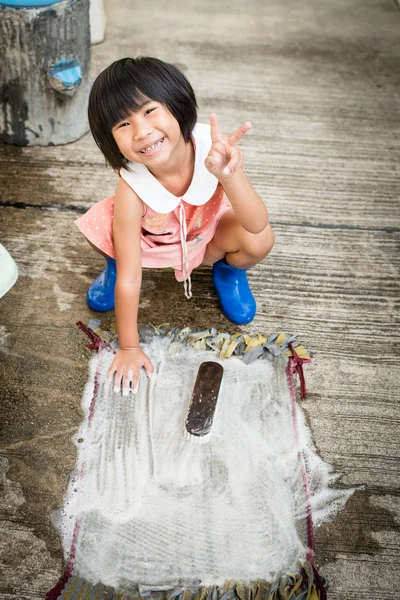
(203, 402)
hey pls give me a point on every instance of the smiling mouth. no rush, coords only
(155, 146)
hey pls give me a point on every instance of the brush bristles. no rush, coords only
(196, 439)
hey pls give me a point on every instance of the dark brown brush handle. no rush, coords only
(204, 398)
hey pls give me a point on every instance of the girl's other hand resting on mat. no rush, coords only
(126, 367)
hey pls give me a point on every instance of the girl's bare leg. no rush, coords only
(240, 248)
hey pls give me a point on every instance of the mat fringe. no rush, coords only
(307, 584)
(242, 345)
(224, 345)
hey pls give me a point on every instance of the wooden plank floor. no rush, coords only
(320, 83)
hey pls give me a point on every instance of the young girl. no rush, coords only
(182, 200)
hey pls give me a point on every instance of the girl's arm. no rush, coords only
(225, 161)
(247, 205)
(128, 211)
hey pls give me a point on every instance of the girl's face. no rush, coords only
(149, 135)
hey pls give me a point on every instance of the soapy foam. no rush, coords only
(155, 509)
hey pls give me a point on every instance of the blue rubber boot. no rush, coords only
(233, 291)
(100, 296)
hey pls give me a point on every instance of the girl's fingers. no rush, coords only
(239, 133)
(111, 371)
(225, 164)
(118, 377)
(149, 367)
(213, 162)
(210, 161)
(126, 374)
(135, 382)
(233, 163)
(231, 167)
(240, 165)
(129, 382)
(215, 132)
(126, 385)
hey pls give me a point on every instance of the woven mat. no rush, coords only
(149, 512)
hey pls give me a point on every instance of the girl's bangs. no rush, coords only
(122, 103)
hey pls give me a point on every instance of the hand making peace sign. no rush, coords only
(225, 157)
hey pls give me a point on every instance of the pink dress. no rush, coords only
(175, 230)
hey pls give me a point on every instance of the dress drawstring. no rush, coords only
(185, 262)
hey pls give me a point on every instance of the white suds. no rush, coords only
(63, 298)
(4, 342)
(155, 509)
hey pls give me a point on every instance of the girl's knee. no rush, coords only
(259, 245)
(269, 239)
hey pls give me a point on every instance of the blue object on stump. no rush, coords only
(65, 76)
(100, 296)
(233, 291)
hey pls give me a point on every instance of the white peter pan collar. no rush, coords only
(201, 189)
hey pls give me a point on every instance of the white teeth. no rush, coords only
(153, 147)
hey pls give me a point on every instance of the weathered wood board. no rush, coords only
(320, 84)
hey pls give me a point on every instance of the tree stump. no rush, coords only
(44, 73)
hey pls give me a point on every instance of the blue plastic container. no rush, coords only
(27, 3)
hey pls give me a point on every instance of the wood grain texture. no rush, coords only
(320, 84)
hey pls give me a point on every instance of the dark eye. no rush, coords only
(149, 110)
(119, 125)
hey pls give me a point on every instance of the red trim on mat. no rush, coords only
(95, 390)
(297, 365)
(319, 583)
(290, 369)
(97, 342)
(56, 591)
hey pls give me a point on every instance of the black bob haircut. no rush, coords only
(120, 89)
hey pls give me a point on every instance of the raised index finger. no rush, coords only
(235, 137)
(215, 132)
